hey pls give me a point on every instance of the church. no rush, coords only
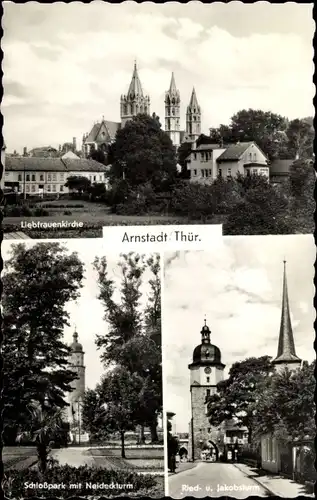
(136, 102)
(207, 370)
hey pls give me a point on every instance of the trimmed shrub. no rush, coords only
(14, 482)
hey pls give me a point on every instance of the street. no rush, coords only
(213, 480)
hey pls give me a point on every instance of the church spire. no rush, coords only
(135, 88)
(286, 353)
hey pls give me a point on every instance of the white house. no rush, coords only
(33, 175)
(209, 161)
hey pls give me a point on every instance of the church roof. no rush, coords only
(135, 85)
(110, 126)
(286, 345)
(193, 103)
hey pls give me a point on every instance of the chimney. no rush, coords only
(74, 145)
(25, 151)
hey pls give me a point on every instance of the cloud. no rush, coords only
(64, 56)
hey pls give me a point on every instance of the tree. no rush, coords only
(238, 396)
(286, 407)
(265, 128)
(45, 427)
(120, 393)
(78, 183)
(300, 134)
(37, 283)
(143, 152)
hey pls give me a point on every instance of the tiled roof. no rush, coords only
(34, 163)
(280, 167)
(235, 151)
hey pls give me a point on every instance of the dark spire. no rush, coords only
(286, 346)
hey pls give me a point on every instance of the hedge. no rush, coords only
(106, 482)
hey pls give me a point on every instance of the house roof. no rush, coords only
(234, 151)
(280, 167)
(35, 163)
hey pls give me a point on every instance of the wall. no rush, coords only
(270, 454)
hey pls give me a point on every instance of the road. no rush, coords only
(213, 480)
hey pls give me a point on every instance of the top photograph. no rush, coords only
(142, 114)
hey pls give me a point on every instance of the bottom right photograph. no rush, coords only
(238, 356)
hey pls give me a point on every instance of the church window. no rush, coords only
(27, 177)
(20, 177)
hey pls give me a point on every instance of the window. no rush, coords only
(61, 188)
(49, 177)
(195, 172)
(33, 177)
(27, 177)
(41, 177)
(54, 177)
(20, 177)
(54, 187)
(48, 188)
(33, 188)
(208, 379)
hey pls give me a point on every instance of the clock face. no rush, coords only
(208, 370)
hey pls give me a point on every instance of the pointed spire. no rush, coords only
(193, 103)
(286, 345)
(173, 89)
(135, 85)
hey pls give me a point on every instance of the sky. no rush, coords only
(66, 65)
(86, 314)
(237, 286)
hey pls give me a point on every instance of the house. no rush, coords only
(245, 158)
(209, 161)
(33, 175)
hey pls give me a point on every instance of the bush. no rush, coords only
(14, 483)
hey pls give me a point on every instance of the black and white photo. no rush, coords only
(142, 114)
(82, 377)
(239, 367)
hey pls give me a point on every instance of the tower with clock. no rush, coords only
(206, 371)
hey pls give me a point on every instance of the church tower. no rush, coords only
(206, 371)
(76, 364)
(172, 113)
(134, 102)
(193, 118)
(286, 354)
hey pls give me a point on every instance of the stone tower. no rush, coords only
(286, 354)
(206, 371)
(172, 113)
(76, 364)
(193, 118)
(134, 102)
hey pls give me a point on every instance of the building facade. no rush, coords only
(206, 371)
(45, 176)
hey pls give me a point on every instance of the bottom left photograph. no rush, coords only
(82, 377)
